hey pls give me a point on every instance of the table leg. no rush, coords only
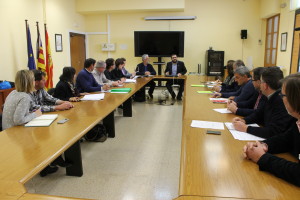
(109, 123)
(127, 108)
(73, 155)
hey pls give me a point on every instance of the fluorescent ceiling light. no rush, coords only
(171, 18)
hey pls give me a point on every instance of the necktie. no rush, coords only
(257, 101)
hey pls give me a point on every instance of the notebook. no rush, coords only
(120, 90)
(43, 120)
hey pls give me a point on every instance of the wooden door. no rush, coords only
(78, 51)
(296, 45)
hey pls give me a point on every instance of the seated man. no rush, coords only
(241, 108)
(145, 68)
(41, 99)
(246, 91)
(232, 85)
(100, 77)
(175, 68)
(262, 153)
(273, 116)
(85, 81)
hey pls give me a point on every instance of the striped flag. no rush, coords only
(31, 62)
(39, 51)
(49, 63)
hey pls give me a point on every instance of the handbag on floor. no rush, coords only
(96, 134)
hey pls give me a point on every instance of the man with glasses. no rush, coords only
(243, 108)
(175, 68)
(273, 116)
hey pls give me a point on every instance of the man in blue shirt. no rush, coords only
(85, 81)
(175, 68)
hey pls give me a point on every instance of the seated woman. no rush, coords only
(228, 80)
(18, 102)
(262, 152)
(117, 72)
(65, 89)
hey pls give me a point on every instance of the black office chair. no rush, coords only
(51, 91)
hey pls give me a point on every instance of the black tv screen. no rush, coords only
(159, 43)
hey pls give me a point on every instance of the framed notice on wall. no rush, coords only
(283, 41)
(58, 43)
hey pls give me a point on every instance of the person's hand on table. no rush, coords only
(167, 73)
(232, 106)
(240, 126)
(64, 106)
(74, 99)
(236, 119)
(231, 98)
(179, 74)
(105, 87)
(147, 73)
(38, 112)
(216, 95)
(254, 150)
(217, 88)
(116, 83)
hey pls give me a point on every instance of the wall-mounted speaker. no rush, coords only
(243, 34)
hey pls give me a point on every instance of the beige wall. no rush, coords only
(61, 17)
(270, 8)
(218, 24)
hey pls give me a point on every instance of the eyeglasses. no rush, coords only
(282, 95)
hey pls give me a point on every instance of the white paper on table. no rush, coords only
(210, 86)
(48, 116)
(213, 99)
(130, 81)
(238, 135)
(222, 110)
(43, 120)
(136, 76)
(206, 124)
(93, 97)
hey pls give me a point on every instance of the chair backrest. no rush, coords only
(51, 91)
(1, 122)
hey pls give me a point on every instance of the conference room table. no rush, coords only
(213, 166)
(25, 151)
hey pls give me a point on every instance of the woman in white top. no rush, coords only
(18, 102)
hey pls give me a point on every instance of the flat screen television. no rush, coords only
(159, 43)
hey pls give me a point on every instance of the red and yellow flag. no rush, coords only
(49, 63)
(40, 52)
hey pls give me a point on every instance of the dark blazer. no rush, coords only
(86, 82)
(63, 91)
(243, 109)
(286, 142)
(273, 117)
(117, 74)
(140, 69)
(230, 88)
(110, 76)
(180, 68)
(245, 92)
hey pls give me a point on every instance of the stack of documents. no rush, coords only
(93, 97)
(222, 110)
(120, 90)
(218, 100)
(130, 81)
(238, 135)
(43, 120)
(206, 124)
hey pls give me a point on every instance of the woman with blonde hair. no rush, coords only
(18, 102)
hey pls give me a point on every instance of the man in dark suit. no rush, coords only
(146, 69)
(273, 116)
(175, 68)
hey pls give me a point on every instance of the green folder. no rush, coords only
(198, 85)
(204, 92)
(125, 90)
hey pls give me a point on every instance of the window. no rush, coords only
(294, 4)
(271, 40)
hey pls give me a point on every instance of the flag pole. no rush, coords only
(26, 24)
(37, 41)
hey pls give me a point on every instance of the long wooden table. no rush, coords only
(24, 152)
(213, 165)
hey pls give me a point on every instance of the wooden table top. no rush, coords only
(213, 165)
(25, 151)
